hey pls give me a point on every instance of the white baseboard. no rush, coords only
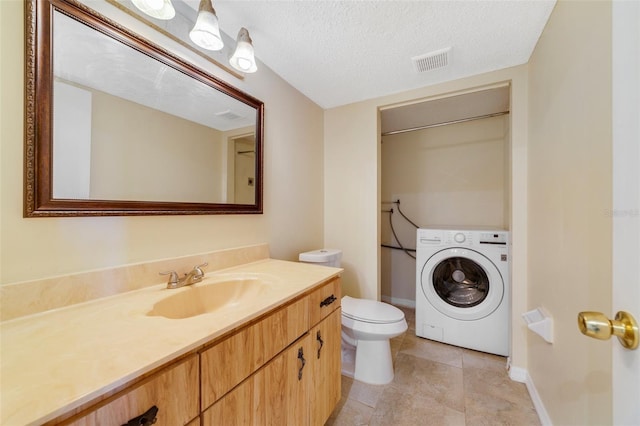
(399, 302)
(521, 375)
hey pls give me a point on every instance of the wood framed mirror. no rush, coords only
(116, 125)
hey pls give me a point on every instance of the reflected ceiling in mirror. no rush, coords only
(132, 128)
(178, 28)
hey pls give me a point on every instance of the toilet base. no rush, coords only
(371, 364)
(348, 359)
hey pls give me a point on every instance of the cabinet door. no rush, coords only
(232, 360)
(225, 365)
(281, 389)
(174, 392)
(275, 395)
(299, 376)
(270, 393)
(326, 362)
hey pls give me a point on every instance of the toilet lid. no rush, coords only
(370, 311)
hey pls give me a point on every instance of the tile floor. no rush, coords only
(436, 384)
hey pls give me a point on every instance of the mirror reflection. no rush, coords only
(128, 127)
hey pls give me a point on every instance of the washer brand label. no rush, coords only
(503, 257)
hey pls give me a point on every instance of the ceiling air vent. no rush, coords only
(431, 61)
(228, 114)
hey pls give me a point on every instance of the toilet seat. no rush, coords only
(370, 311)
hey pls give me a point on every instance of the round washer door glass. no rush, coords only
(460, 282)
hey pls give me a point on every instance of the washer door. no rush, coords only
(462, 284)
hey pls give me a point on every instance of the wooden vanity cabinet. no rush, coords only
(277, 394)
(174, 391)
(280, 369)
(299, 386)
(232, 360)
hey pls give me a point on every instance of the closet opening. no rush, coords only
(445, 162)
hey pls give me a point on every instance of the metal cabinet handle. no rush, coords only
(320, 341)
(302, 363)
(329, 300)
(148, 418)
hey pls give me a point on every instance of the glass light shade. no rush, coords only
(159, 9)
(206, 32)
(243, 58)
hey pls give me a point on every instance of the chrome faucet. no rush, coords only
(192, 277)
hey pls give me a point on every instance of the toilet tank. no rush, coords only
(325, 257)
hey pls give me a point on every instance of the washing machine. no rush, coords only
(463, 289)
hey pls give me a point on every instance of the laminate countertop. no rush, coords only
(58, 360)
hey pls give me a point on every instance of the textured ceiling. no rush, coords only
(339, 52)
(89, 58)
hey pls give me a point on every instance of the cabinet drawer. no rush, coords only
(324, 300)
(174, 392)
(232, 360)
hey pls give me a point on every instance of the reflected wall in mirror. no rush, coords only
(118, 126)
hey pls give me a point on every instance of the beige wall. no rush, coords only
(449, 175)
(43, 247)
(453, 175)
(142, 153)
(569, 193)
(352, 162)
(352, 189)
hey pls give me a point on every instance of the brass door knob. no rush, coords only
(598, 326)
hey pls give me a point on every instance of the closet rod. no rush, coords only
(462, 120)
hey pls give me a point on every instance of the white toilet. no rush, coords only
(367, 327)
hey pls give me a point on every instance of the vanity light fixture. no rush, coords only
(206, 32)
(243, 58)
(159, 9)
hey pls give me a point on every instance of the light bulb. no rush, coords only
(244, 63)
(243, 58)
(159, 9)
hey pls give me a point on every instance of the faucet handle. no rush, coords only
(198, 272)
(173, 279)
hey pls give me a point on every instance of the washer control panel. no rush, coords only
(430, 237)
(437, 237)
(465, 238)
(499, 238)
